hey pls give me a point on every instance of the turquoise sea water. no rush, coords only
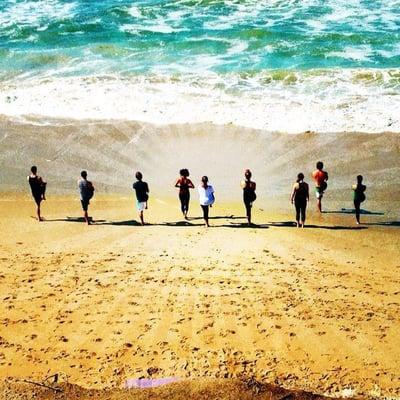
(287, 50)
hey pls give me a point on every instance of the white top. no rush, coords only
(206, 196)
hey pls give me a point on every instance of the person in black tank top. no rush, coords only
(249, 193)
(184, 184)
(299, 197)
(38, 189)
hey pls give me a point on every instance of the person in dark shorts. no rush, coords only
(359, 196)
(299, 197)
(184, 184)
(320, 177)
(38, 189)
(86, 192)
(249, 193)
(206, 198)
(142, 194)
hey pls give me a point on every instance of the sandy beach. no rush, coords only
(313, 309)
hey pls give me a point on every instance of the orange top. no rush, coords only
(319, 177)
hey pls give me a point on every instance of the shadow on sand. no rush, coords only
(291, 224)
(353, 211)
(388, 223)
(217, 217)
(243, 225)
(76, 219)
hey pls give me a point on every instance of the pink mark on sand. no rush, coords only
(148, 382)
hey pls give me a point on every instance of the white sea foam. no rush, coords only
(323, 101)
(35, 13)
(359, 53)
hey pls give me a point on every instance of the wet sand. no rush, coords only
(314, 309)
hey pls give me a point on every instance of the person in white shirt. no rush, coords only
(206, 197)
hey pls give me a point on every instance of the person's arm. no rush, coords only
(177, 183)
(190, 184)
(326, 176)
(293, 193)
(308, 192)
(255, 185)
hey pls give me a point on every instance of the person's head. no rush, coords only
(247, 174)
(184, 172)
(34, 169)
(359, 178)
(320, 165)
(84, 174)
(139, 176)
(204, 180)
(300, 177)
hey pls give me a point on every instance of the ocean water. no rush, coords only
(291, 66)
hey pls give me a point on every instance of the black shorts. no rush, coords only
(85, 204)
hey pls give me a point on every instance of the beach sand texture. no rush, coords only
(314, 309)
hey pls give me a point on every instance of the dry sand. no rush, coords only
(314, 309)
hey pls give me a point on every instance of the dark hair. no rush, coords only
(34, 169)
(247, 173)
(184, 172)
(300, 177)
(139, 176)
(84, 174)
(359, 178)
(320, 165)
(204, 179)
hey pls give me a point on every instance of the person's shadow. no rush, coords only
(353, 211)
(290, 224)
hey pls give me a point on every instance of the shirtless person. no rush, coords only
(320, 177)
(38, 188)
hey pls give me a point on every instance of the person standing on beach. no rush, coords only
(249, 193)
(86, 192)
(299, 197)
(184, 184)
(38, 189)
(320, 177)
(359, 196)
(142, 194)
(206, 196)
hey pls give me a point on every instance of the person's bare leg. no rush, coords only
(357, 208)
(319, 205)
(86, 216)
(39, 217)
(141, 217)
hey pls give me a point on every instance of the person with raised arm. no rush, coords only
(142, 195)
(299, 197)
(249, 193)
(184, 184)
(320, 177)
(86, 192)
(206, 197)
(358, 196)
(38, 189)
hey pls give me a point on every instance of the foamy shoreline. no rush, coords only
(364, 100)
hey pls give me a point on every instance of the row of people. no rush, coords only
(299, 196)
